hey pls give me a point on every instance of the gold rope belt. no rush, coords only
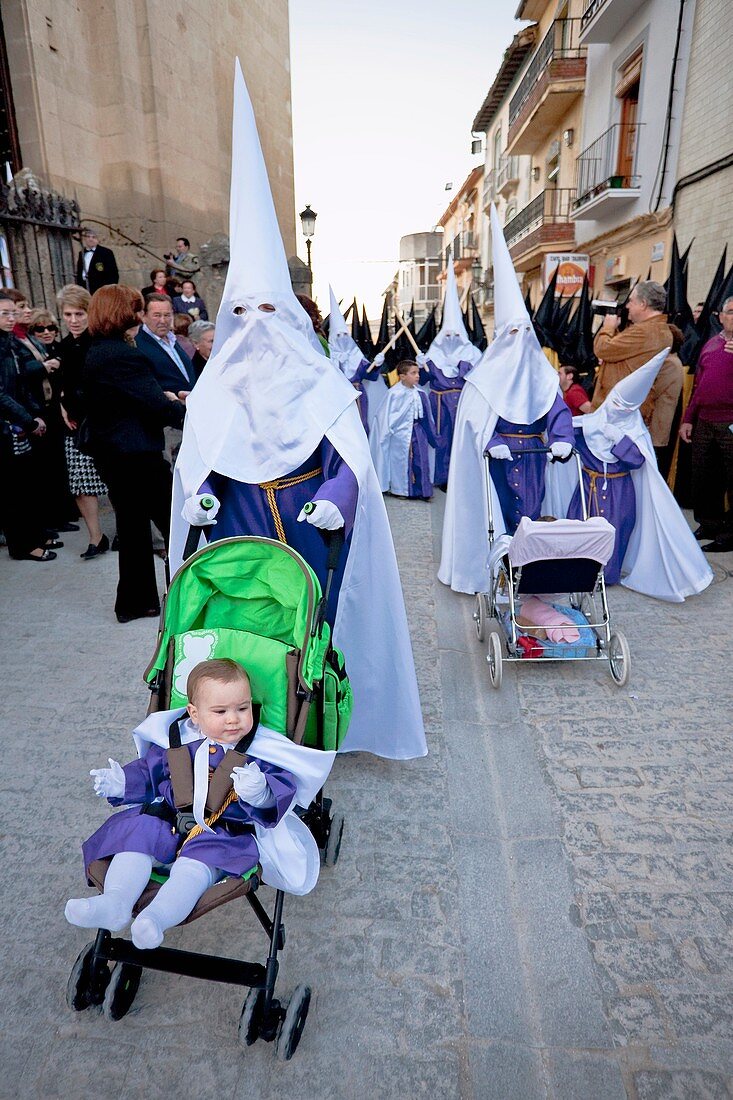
(439, 395)
(272, 487)
(212, 818)
(594, 476)
(520, 435)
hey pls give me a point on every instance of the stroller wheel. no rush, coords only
(494, 659)
(123, 985)
(293, 1023)
(480, 616)
(87, 983)
(333, 844)
(619, 658)
(250, 1020)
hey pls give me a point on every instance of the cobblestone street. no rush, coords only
(541, 908)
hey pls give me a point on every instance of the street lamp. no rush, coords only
(476, 270)
(308, 222)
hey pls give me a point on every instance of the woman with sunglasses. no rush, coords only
(43, 341)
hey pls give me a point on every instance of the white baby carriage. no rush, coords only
(547, 595)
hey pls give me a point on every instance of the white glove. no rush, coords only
(561, 450)
(325, 515)
(109, 782)
(197, 516)
(250, 785)
(613, 433)
(378, 360)
(501, 451)
(421, 359)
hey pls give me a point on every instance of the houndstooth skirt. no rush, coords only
(84, 481)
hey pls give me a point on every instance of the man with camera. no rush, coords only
(621, 353)
(182, 263)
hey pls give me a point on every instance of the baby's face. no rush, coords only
(223, 712)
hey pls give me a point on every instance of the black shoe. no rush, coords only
(53, 544)
(68, 527)
(47, 555)
(93, 551)
(723, 544)
(151, 614)
(115, 547)
(704, 532)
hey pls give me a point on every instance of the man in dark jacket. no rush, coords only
(96, 266)
(170, 364)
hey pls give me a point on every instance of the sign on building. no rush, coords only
(573, 267)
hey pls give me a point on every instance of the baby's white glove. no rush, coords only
(561, 451)
(324, 515)
(109, 782)
(421, 359)
(613, 433)
(250, 785)
(501, 451)
(378, 360)
(195, 515)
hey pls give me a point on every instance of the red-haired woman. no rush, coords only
(127, 411)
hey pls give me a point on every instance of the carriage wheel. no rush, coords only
(123, 985)
(333, 844)
(494, 658)
(87, 983)
(619, 658)
(480, 616)
(251, 1018)
(293, 1023)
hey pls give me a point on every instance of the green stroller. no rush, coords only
(257, 601)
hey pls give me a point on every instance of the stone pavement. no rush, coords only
(540, 908)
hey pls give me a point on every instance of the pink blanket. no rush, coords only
(551, 623)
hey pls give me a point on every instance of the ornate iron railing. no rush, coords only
(560, 41)
(552, 205)
(597, 168)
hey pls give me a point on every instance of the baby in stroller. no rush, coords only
(228, 792)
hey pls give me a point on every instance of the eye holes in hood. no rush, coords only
(263, 307)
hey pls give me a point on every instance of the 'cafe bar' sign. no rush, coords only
(572, 269)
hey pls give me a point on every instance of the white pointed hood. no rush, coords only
(452, 345)
(345, 352)
(514, 375)
(621, 409)
(268, 394)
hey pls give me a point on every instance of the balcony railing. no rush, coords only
(488, 192)
(549, 206)
(507, 173)
(592, 7)
(561, 41)
(606, 163)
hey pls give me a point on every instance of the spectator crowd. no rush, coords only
(98, 410)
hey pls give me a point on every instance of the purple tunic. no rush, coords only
(520, 484)
(612, 496)
(272, 509)
(423, 438)
(444, 395)
(133, 831)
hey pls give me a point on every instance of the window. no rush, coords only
(627, 93)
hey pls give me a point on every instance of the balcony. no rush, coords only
(543, 225)
(554, 79)
(507, 176)
(603, 19)
(605, 178)
(489, 189)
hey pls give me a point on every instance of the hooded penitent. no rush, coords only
(270, 404)
(452, 346)
(659, 555)
(512, 385)
(345, 353)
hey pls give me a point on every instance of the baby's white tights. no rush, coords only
(189, 879)
(127, 877)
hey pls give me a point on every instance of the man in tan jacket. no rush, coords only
(621, 353)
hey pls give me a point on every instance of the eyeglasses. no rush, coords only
(45, 328)
(7, 313)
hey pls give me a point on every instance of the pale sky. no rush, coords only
(384, 93)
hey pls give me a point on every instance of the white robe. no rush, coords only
(663, 558)
(289, 855)
(391, 436)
